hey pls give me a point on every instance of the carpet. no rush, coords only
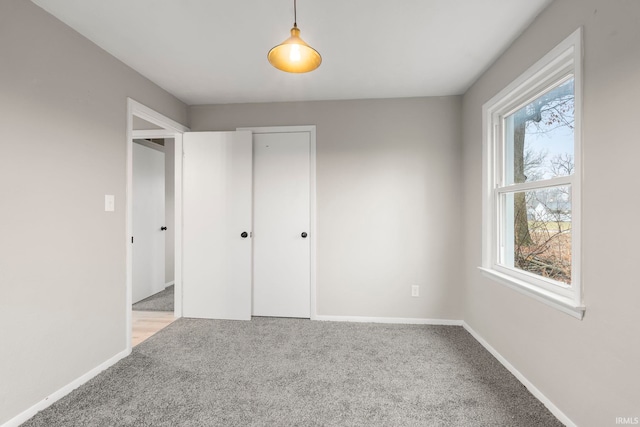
(162, 301)
(292, 372)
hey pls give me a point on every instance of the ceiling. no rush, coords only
(215, 51)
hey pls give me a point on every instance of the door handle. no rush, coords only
(244, 235)
(163, 228)
(304, 235)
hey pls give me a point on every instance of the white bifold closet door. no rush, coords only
(216, 275)
(281, 244)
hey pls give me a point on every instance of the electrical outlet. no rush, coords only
(415, 291)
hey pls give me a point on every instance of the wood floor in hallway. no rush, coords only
(147, 323)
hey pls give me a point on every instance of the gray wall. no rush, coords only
(591, 368)
(388, 199)
(63, 147)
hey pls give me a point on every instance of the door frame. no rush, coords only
(311, 129)
(170, 129)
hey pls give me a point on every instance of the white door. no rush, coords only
(281, 248)
(148, 220)
(216, 274)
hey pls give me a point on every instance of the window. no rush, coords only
(531, 210)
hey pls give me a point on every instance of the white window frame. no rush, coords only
(550, 71)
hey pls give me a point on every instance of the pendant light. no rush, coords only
(294, 55)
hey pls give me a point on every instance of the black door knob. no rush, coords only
(244, 235)
(163, 228)
(304, 235)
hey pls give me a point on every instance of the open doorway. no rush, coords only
(153, 229)
(153, 292)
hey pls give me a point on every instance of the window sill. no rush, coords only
(564, 304)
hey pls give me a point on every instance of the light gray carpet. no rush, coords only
(162, 301)
(286, 372)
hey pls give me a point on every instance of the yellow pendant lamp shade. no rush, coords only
(294, 55)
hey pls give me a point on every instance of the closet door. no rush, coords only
(281, 245)
(216, 275)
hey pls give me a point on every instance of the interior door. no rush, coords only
(216, 275)
(148, 220)
(281, 248)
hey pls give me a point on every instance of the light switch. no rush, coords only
(109, 203)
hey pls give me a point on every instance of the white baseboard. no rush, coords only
(537, 393)
(398, 320)
(51, 399)
(166, 285)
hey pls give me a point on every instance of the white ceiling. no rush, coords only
(214, 51)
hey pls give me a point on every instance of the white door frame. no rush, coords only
(311, 129)
(170, 129)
